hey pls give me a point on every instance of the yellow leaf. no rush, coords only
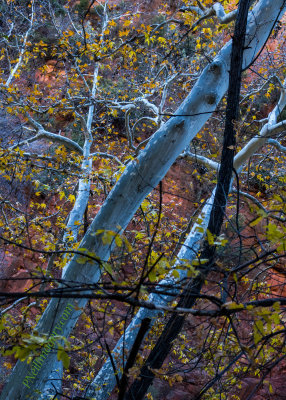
(127, 22)
(176, 274)
(71, 198)
(118, 241)
(152, 275)
(256, 221)
(201, 261)
(107, 267)
(233, 306)
(107, 237)
(210, 238)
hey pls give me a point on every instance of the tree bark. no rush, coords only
(163, 346)
(105, 380)
(139, 178)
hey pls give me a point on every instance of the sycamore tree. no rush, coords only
(107, 96)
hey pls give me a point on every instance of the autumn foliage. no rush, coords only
(84, 85)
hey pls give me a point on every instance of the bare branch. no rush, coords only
(201, 159)
(43, 134)
(106, 155)
(276, 144)
(20, 58)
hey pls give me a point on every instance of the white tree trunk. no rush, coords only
(105, 381)
(137, 181)
(23, 47)
(77, 213)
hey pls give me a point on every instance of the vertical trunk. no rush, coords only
(78, 211)
(105, 381)
(189, 296)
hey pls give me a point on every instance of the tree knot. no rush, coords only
(216, 67)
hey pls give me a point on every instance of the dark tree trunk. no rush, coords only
(190, 293)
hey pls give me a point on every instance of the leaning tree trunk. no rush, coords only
(137, 181)
(105, 380)
(76, 216)
(190, 294)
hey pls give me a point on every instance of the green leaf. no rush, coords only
(63, 356)
(276, 318)
(22, 353)
(152, 275)
(176, 274)
(82, 260)
(108, 268)
(257, 331)
(276, 306)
